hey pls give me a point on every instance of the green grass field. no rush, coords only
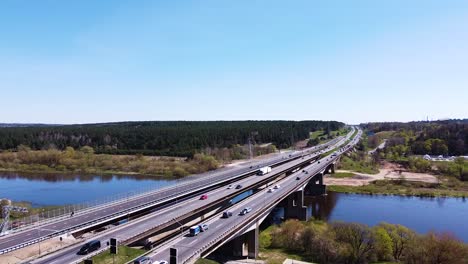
(125, 254)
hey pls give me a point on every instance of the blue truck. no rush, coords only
(194, 230)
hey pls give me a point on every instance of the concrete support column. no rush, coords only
(294, 206)
(246, 245)
(332, 168)
(253, 242)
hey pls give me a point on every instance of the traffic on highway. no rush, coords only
(167, 214)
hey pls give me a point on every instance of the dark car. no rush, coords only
(204, 197)
(143, 260)
(298, 178)
(238, 186)
(227, 214)
(89, 247)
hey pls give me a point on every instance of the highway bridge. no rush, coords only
(166, 222)
(240, 232)
(152, 201)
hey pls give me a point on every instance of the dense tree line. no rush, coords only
(353, 243)
(449, 137)
(171, 138)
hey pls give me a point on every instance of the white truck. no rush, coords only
(264, 170)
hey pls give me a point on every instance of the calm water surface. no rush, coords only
(52, 189)
(420, 214)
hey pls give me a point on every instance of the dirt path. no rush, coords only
(388, 171)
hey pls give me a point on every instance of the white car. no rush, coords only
(163, 262)
(270, 190)
(230, 186)
(277, 186)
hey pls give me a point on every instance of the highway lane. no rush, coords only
(159, 217)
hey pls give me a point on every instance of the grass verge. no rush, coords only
(124, 255)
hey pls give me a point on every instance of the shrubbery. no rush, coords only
(340, 242)
(85, 161)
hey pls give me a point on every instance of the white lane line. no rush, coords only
(195, 240)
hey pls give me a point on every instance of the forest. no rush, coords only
(448, 137)
(168, 138)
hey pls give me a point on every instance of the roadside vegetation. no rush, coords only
(321, 136)
(339, 242)
(358, 160)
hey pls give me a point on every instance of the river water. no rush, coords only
(53, 189)
(420, 214)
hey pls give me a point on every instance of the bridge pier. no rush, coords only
(245, 245)
(294, 206)
(315, 187)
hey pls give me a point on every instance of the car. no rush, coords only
(203, 227)
(204, 197)
(270, 190)
(143, 260)
(89, 247)
(227, 214)
(229, 186)
(245, 211)
(163, 262)
(238, 186)
(277, 186)
(298, 178)
(318, 162)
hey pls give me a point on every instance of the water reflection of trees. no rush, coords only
(321, 206)
(52, 177)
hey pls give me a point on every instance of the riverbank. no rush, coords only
(392, 179)
(85, 161)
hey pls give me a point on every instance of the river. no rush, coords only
(53, 189)
(420, 214)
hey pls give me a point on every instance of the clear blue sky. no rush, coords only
(353, 61)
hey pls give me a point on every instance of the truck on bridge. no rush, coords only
(264, 170)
